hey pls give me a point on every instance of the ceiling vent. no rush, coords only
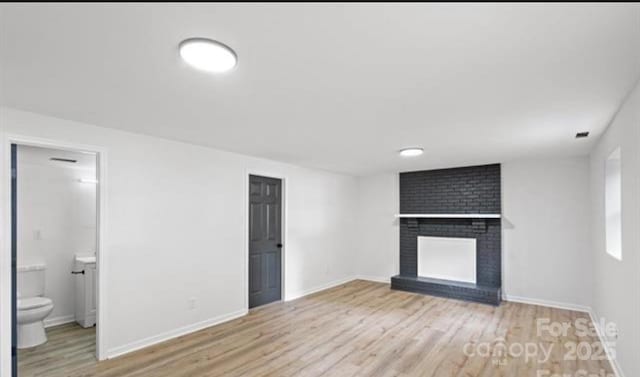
(60, 159)
(581, 135)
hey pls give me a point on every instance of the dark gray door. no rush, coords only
(265, 242)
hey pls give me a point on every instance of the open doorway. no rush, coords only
(54, 220)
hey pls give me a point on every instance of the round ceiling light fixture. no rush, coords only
(411, 152)
(208, 55)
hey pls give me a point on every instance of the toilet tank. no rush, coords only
(30, 280)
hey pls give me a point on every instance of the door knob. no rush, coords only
(279, 245)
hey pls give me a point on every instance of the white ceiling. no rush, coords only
(335, 87)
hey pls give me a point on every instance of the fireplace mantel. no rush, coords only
(456, 203)
(449, 216)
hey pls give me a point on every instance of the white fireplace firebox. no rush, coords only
(447, 258)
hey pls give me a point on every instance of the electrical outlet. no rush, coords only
(192, 303)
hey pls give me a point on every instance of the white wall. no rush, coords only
(546, 230)
(177, 212)
(616, 284)
(56, 220)
(553, 232)
(176, 217)
(378, 229)
(546, 240)
(320, 248)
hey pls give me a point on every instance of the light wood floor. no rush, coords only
(68, 347)
(357, 329)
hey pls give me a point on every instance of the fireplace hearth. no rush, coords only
(459, 203)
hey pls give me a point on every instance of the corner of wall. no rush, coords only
(614, 298)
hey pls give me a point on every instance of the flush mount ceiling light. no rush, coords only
(208, 55)
(411, 152)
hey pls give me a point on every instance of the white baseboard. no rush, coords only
(143, 343)
(547, 303)
(378, 279)
(579, 308)
(335, 283)
(319, 288)
(137, 345)
(60, 320)
(603, 340)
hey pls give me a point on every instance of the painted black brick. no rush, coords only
(443, 288)
(488, 245)
(472, 189)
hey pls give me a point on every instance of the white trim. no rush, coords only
(617, 370)
(377, 279)
(185, 330)
(283, 225)
(147, 342)
(547, 303)
(57, 321)
(319, 288)
(449, 216)
(102, 267)
(101, 203)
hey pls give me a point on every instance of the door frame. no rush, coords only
(101, 235)
(283, 231)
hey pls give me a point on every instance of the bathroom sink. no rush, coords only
(86, 284)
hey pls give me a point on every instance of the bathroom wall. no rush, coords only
(56, 219)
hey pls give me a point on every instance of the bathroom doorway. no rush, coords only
(55, 248)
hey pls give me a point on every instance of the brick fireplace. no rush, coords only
(456, 203)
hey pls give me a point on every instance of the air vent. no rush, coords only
(581, 135)
(60, 159)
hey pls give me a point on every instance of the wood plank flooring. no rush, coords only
(358, 329)
(68, 347)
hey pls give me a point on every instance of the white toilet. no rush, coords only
(33, 308)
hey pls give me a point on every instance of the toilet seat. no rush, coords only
(33, 303)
